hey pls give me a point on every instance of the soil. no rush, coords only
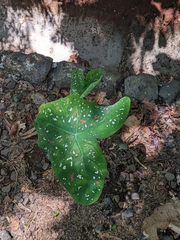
(139, 159)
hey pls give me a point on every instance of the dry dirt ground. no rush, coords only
(143, 168)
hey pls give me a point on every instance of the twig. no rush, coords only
(137, 160)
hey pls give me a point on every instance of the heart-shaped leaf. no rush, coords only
(67, 130)
(81, 85)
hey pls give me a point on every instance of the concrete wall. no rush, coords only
(58, 35)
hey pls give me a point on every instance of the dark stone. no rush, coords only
(177, 160)
(127, 213)
(169, 91)
(169, 176)
(11, 84)
(31, 67)
(142, 86)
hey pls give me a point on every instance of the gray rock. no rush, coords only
(38, 98)
(26, 201)
(6, 189)
(18, 196)
(4, 235)
(31, 67)
(127, 213)
(168, 237)
(173, 184)
(6, 143)
(3, 172)
(106, 202)
(177, 160)
(13, 176)
(8, 95)
(169, 176)
(4, 135)
(135, 196)
(11, 84)
(62, 73)
(31, 198)
(2, 106)
(141, 86)
(45, 166)
(98, 228)
(169, 91)
(5, 152)
(131, 168)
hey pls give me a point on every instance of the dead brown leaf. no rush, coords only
(97, 97)
(166, 216)
(132, 125)
(29, 133)
(133, 121)
(25, 85)
(14, 128)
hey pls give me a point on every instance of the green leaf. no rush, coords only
(67, 130)
(123, 146)
(56, 213)
(82, 86)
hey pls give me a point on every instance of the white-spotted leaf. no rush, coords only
(81, 85)
(68, 129)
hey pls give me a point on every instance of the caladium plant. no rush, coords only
(68, 129)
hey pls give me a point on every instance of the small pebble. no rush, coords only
(127, 213)
(5, 152)
(52, 97)
(169, 176)
(7, 95)
(13, 176)
(98, 228)
(18, 196)
(31, 198)
(20, 106)
(106, 202)
(169, 237)
(4, 135)
(177, 169)
(6, 143)
(177, 160)
(2, 106)
(131, 168)
(33, 176)
(3, 172)
(38, 98)
(26, 201)
(11, 84)
(25, 195)
(173, 184)
(6, 189)
(178, 179)
(45, 166)
(135, 196)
